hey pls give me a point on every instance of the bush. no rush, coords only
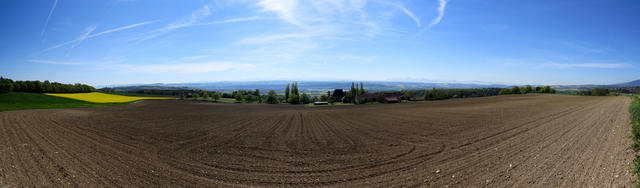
(305, 99)
(271, 97)
(515, 90)
(505, 91)
(294, 99)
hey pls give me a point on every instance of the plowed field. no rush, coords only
(506, 141)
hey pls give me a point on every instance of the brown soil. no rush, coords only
(506, 141)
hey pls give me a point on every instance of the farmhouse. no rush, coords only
(368, 97)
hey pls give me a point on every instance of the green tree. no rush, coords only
(362, 91)
(546, 89)
(428, 94)
(515, 90)
(294, 99)
(216, 96)
(315, 99)
(238, 97)
(305, 99)
(504, 91)
(331, 100)
(527, 89)
(6, 85)
(271, 97)
(286, 93)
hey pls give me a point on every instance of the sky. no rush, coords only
(174, 41)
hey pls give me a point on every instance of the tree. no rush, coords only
(271, 97)
(515, 90)
(257, 92)
(504, 91)
(216, 96)
(294, 99)
(286, 93)
(406, 96)
(428, 94)
(362, 91)
(353, 93)
(295, 89)
(315, 99)
(238, 97)
(331, 100)
(546, 89)
(6, 85)
(526, 89)
(305, 99)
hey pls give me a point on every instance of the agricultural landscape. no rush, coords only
(330, 93)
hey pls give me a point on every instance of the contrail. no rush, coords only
(48, 17)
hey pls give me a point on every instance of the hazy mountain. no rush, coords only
(307, 86)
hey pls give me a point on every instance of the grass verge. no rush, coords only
(635, 132)
(23, 101)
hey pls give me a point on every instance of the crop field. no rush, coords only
(502, 141)
(96, 97)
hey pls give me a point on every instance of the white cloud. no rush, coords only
(189, 68)
(46, 22)
(441, 8)
(589, 65)
(284, 8)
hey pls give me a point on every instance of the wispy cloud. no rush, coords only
(86, 34)
(98, 34)
(272, 38)
(441, 8)
(46, 22)
(196, 57)
(233, 20)
(410, 14)
(187, 21)
(41, 61)
(103, 61)
(589, 65)
(284, 8)
(189, 68)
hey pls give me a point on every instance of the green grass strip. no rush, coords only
(635, 132)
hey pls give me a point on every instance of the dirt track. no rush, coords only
(545, 140)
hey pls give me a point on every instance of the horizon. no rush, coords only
(120, 42)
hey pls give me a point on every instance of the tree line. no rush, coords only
(595, 92)
(441, 94)
(8, 85)
(526, 89)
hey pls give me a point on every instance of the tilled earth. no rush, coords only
(505, 141)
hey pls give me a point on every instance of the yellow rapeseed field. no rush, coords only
(97, 97)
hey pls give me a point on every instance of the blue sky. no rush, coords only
(152, 41)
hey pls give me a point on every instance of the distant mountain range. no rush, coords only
(324, 86)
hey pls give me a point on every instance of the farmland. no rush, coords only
(21, 101)
(96, 97)
(503, 141)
